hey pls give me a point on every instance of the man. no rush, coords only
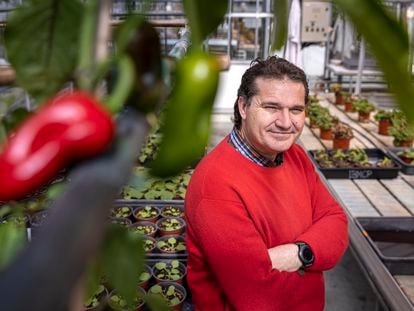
(261, 226)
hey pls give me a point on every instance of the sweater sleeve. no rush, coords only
(328, 235)
(237, 256)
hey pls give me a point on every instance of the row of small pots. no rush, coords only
(168, 244)
(167, 212)
(163, 226)
(173, 293)
(146, 213)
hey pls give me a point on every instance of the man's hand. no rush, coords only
(285, 257)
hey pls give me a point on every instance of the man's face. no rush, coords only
(275, 117)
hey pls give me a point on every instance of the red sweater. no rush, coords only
(236, 210)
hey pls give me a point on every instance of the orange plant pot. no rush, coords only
(384, 126)
(326, 134)
(341, 143)
(403, 143)
(339, 98)
(349, 106)
(363, 116)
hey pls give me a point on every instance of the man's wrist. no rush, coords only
(305, 254)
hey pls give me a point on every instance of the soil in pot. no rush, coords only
(170, 226)
(171, 244)
(169, 270)
(173, 293)
(147, 213)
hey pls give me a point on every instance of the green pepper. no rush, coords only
(186, 124)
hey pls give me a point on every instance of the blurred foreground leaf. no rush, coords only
(280, 27)
(42, 44)
(389, 43)
(12, 240)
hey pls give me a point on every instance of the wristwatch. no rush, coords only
(305, 254)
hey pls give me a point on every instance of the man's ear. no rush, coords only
(242, 104)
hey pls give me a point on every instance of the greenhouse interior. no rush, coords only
(115, 115)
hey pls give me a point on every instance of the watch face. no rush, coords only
(307, 254)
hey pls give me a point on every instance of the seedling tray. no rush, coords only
(405, 167)
(373, 172)
(156, 254)
(392, 238)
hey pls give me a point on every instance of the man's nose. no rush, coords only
(283, 119)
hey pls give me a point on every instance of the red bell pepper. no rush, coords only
(68, 128)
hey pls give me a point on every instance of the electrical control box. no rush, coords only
(316, 21)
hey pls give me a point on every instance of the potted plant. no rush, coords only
(357, 157)
(385, 163)
(124, 222)
(144, 227)
(172, 211)
(174, 294)
(144, 277)
(349, 102)
(93, 302)
(147, 213)
(364, 109)
(384, 118)
(169, 270)
(170, 225)
(121, 212)
(314, 111)
(171, 244)
(337, 89)
(342, 136)
(402, 131)
(406, 156)
(325, 123)
(149, 244)
(118, 303)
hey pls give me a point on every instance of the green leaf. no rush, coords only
(280, 28)
(204, 17)
(155, 300)
(51, 29)
(160, 265)
(389, 43)
(123, 261)
(12, 240)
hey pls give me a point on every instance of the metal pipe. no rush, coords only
(361, 61)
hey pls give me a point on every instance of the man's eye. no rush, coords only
(297, 110)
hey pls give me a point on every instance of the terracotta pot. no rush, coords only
(349, 107)
(363, 116)
(384, 126)
(325, 134)
(403, 143)
(341, 143)
(339, 98)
